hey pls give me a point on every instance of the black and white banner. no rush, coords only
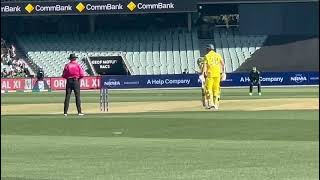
(109, 65)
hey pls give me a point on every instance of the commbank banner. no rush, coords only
(96, 7)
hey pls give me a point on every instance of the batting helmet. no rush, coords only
(210, 46)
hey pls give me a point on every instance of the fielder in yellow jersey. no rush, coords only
(212, 69)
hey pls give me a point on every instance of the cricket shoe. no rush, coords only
(212, 107)
(80, 114)
(250, 94)
(259, 94)
(206, 105)
(65, 114)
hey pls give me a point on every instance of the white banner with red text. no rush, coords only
(54, 83)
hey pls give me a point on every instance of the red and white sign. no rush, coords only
(55, 83)
(88, 82)
(15, 84)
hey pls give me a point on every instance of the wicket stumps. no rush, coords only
(104, 100)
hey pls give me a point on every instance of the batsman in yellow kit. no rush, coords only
(213, 68)
(204, 95)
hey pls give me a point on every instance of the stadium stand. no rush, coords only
(154, 43)
(167, 51)
(163, 52)
(12, 65)
(236, 48)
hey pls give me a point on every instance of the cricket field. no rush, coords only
(162, 135)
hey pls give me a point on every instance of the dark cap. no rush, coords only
(72, 56)
(209, 46)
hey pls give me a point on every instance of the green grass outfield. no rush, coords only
(206, 145)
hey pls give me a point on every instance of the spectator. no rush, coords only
(225, 19)
(3, 43)
(10, 74)
(4, 73)
(12, 51)
(20, 62)
(26, 72)
(185, 71)
(40, 74)
(15, 62)
(16, 66)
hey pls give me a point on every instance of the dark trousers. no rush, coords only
(72, 84)
(258, 83)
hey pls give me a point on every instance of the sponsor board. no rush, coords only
(86, 83)
(274, 78)
(298, 78)
(192, 80)
(163, 81)
(109, 65)
(242, 1)
(13, 84)
(150, 81)
(55, 83)
(96, 7)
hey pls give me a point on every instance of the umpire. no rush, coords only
(72, 73)
(255, 80)
(40, 74)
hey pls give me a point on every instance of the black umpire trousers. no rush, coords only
(72, 84)
(257, 83)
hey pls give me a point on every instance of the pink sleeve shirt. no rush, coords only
(73, 70)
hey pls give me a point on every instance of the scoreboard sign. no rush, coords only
(96, 7)
(109, 65)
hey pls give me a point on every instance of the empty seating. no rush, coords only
(235, 48)
(159, 52)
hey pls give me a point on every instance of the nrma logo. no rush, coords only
(298, 78)
(112, 83)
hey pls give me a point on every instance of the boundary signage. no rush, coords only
(34, 8)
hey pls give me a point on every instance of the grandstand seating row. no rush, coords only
(236, 48)
(163, 52)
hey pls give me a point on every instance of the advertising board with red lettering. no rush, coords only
(54, 83)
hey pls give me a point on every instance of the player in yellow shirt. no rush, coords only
(204, 95)
(213, 68)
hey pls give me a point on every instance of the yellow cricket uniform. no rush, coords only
(213, 62)
(200, 65)
(204, 94)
